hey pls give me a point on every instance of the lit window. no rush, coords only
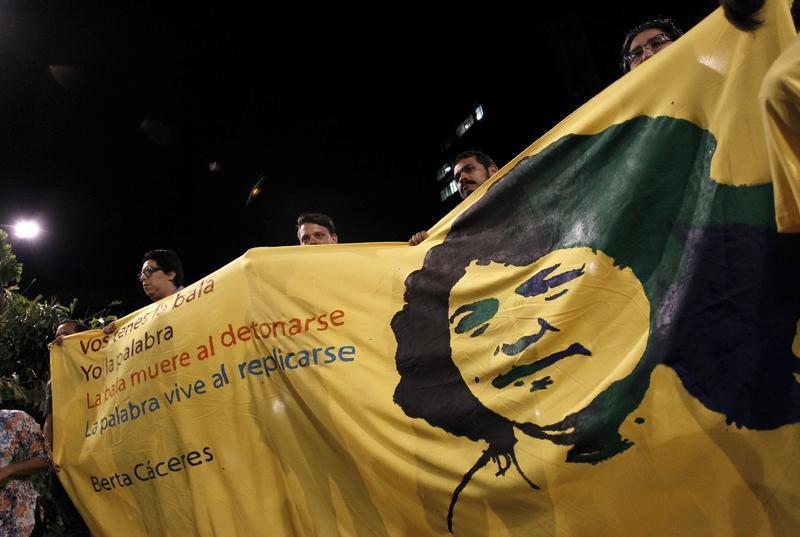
(443, 171)
(478, 113)
(449, 190)
(465, 125)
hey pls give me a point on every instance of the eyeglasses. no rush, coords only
(655, 43)
(147, 272)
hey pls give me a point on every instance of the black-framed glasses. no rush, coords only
(147, 272)
(655, 43)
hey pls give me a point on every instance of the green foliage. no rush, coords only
(10, 268)
(26, 328)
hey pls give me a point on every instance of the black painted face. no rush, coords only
(551, 336)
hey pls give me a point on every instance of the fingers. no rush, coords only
(417, 238)
(110, 328)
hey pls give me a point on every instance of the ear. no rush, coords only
(335, 238)
(492, 170)
(171, 276)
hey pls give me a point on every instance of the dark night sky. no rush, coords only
(341, 112)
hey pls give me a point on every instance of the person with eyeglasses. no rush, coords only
(647, 40)
(161, 274)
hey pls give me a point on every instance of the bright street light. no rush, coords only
(26, 229)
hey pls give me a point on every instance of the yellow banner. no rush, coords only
(603, 340)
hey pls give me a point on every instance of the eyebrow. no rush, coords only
(466, 167)
(539, 283)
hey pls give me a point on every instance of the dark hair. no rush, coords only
(484, 159)
(169, 261)
(317, 218)
(742, 13)
(79, 325)
(795, 11)
(664, 24)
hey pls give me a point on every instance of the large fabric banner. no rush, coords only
(602, 340)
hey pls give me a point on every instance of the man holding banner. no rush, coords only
(316, 228)
(470, 170)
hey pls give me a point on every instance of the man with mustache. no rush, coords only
(471, 169)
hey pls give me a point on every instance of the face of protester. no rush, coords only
(647, 44)
(66, 329)
(471, 174)
(309, 233)
(156, 283)
(539, 342)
